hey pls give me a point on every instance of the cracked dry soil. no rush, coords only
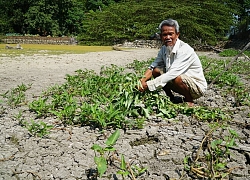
(66, 152)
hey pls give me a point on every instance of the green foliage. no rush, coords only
(213, 163)
(39, 106)
(137, 170)
(42, 17)
(101, 165)
(231, 80)
(232, 52)
(123, 168)
(16, 96)
(113, 138)
(229, 53)
(241, 95)
(37, 129)
(38, 22)
(101, 161)
(197, 20)
(20, 118)
(98, 5)
(114, 21)
(242, 24)
(110, 99)
(204, 113)
(2, 109)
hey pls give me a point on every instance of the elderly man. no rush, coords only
(176, 68)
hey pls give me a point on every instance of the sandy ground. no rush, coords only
(43, 71)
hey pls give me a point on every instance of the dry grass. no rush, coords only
(30, 49)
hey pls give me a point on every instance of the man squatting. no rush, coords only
(176, 68)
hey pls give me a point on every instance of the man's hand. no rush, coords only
(142, 86)
(155, 84)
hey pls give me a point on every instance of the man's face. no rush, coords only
(169, 35)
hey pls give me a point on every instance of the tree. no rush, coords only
(242, 16)
(106, 22)
(205, 21)
(38, 22)
(98, 5)
(43, 17)
(71, 13)
(13, 14)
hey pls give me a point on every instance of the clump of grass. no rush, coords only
(16, 96)
(232, 52)
(39, 129)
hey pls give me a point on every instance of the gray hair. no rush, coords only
(170, 22)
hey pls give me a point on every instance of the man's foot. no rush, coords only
(177, 100)
(190, 104)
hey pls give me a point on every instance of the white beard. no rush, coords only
(170, 48)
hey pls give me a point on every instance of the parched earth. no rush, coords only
(66, 153)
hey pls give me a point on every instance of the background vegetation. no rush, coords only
(104, 22)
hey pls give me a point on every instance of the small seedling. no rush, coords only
(37, 129)
(137, 170)
(101, 161)
(19, 117)
(16, 96)
(104, 156)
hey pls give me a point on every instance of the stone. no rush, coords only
(152, 130)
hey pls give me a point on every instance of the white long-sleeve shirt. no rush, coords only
(181, 60)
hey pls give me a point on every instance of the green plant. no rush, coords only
(14, 140)
(39, 106)
(212, 163)
(37, 129)
(186, 163)
(241, 95)
(232, 81)
(110, 99)
(16, 96)
(229, 53)
(105, 155)
(101, 160)
(137, 170)
(126, 169)
(20, 118)
(79, 101)
(123, 167)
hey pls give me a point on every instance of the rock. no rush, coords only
(116, 48)
(152, 130)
